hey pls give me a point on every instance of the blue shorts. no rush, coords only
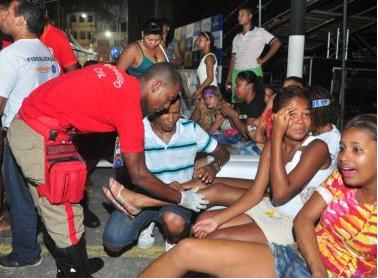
(288, 262)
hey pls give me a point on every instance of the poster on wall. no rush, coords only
(188, 34)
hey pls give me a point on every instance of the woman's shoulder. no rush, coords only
(314, 145)
(133, 46)
(210, 57)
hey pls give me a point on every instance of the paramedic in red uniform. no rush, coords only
(99, 98)
(56, 40)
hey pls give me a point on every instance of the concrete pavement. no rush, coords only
(128, 264)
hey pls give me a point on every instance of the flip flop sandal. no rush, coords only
(109, 196)
(115, 189)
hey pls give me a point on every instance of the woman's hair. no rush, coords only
(210, 38)
(267, 86)
(297, 80)
(367, 122)
(207, 115)
(250, 77)
(165, 21)
(152, 27)
(247, 7)
(288, 93)
(324, 109)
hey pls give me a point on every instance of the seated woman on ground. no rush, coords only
(293, 163)
(208, 110)
(247, 89)
(261, 125)
(347, 199)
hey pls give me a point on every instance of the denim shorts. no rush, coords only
(288, 262)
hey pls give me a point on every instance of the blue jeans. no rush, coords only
(23, 216)
(288, 262)
(120, 231)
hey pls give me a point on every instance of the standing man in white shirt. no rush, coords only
(24, 65)
(247, 47)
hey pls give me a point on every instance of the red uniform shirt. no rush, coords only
(56, 40)
(98, 98)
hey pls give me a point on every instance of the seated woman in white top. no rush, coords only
(324, 113)
(293, 163)
(207, 69)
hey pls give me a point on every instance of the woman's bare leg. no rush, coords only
(129, 198)
(222, 194)
(235, 182)
(241, 228)
(239, 259)
(250, 232)
(218, 193)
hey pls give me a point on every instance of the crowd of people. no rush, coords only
(309, 211)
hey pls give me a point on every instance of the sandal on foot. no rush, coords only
(109, 197)
(116, 188)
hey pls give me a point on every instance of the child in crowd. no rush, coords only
(247, 89)
(342, 244)
(294, 81)
(263, 124)
(324, 114)
(268, 93)
(208, 110)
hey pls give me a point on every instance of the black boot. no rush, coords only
(73, 261)
(90, 219)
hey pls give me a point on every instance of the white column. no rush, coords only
(295, 55)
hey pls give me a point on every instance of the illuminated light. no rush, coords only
(108, 34)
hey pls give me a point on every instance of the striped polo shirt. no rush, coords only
(175, 161)
(249, 46)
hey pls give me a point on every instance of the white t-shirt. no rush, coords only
(248, 47)
(175, 161)
(332, 139)
(202, 73)
(292, 207)
(24, 65)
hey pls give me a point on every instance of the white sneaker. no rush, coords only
(168, 246)
(146, 238)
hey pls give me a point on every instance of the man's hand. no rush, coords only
(206, 173)
(176, 186)
(192, 184)
(192, 200)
